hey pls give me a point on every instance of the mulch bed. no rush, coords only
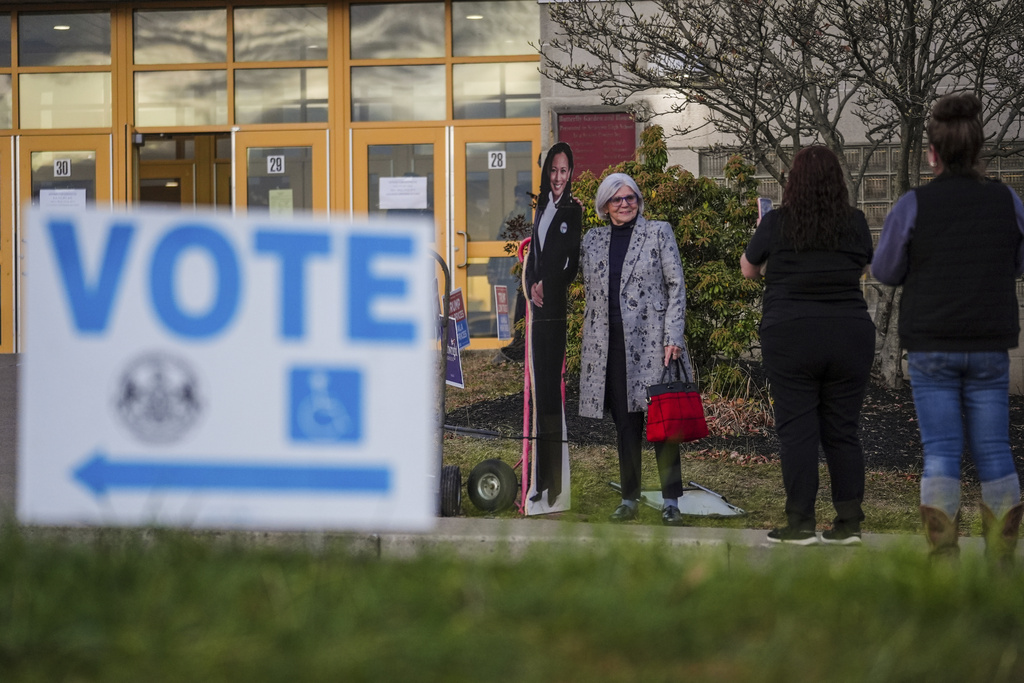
(888, 428)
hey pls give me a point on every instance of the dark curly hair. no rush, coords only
(545, 175)
(956, 133)
(815, 203)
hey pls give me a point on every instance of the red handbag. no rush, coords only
(675, 411)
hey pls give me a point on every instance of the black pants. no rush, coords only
(630, 429)
(548, 357)
(819, 369)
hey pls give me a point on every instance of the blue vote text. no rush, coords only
(92, 300)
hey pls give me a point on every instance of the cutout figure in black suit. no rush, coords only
(551, 265)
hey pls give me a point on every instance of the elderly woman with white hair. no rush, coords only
(634, 324)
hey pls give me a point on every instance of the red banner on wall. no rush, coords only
(598, 140)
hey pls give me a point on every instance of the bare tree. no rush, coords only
(907, 52)
(774, 75)
(751, 68)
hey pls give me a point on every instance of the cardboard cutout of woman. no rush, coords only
(551, 265)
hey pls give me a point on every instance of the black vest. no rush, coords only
(960, 291)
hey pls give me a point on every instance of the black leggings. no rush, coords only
(630, 429)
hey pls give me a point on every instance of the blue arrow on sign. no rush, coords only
(100, 474)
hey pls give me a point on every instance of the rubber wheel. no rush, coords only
(451, 491)
(492, 485)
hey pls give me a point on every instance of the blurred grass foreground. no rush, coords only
(153, 606)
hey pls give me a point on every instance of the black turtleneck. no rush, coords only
(621, 235)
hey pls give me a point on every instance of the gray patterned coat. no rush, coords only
(653, 302)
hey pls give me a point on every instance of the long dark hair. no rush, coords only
(815, 203)
(545, 175)
(955, 131)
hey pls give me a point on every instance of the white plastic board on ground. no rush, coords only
(696, 500)
(198, 370)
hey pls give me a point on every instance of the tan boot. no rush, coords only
(1001, 534)
(941, 532)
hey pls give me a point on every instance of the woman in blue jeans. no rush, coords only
(817, 341)
(957, 246)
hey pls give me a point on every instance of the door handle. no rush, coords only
(465, 248)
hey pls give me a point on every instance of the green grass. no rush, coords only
(160, 606)
(751, 483)
(106, 605)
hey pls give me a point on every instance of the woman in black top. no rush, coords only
(817, 341)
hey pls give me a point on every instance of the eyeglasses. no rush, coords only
(629, 199)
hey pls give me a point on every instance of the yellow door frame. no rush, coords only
(317, 140)
(364, 138)
(8, 291)
(468, 249)
(101, 145)
(359, 166)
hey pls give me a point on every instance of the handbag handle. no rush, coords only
(676, 369)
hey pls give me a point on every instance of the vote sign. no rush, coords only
(202, 371)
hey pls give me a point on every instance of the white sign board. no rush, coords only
(275, 164)
(403, 193)
(74, 198)
(496, 160)
(202, 371)
(62, 168)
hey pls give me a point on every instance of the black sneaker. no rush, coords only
(840, 536)
(793, 536)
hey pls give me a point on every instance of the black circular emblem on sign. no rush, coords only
(158, 398)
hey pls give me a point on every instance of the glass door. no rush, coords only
(184, 169)
(281, 172)
(495, 169)
(64, 170)
(400, 173)
(57, 171)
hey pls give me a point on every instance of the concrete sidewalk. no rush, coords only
(477, 537)
(512, 537)
(483, 536)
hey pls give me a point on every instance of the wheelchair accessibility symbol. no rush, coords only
(325, 405)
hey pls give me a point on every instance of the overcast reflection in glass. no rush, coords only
(397, 30)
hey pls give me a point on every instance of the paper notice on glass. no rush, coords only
(62, 199)
(281, 203)
(403, 193)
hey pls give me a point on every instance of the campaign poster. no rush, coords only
(457, 310)
(501, 312)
